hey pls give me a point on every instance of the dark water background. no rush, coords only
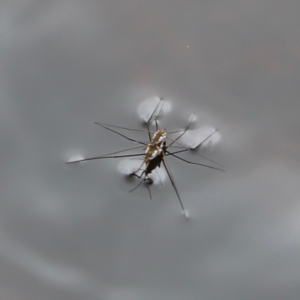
(74, 231)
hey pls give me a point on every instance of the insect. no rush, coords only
(155, 152)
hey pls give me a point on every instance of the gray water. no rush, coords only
(75, 231)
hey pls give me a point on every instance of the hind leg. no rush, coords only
(134, 174)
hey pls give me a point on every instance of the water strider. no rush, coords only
(155, 151)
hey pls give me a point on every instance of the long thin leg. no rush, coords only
(102, 157)
(139, 185)
(176, 140)
(136, 186)
(198, 154)
(144, 179)
(148, 191)
(159, 177)
(208, 137)
(191, 149)
(136, 175)
(124, 136)
(120, 127)
(173, 183)
(185, 150)
(120, 151)
(156, 117)
(179, 151)
(150, 118)
(178, 147)
(183, 131)
(140, 168)
(154, 111)
(176, 131)
(194, 163)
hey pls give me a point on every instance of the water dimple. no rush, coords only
(206, 136)
(75, 157)
(153, 106)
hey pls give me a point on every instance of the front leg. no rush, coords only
(136, 175)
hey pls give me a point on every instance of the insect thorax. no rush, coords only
(159, 136)
(155, 147)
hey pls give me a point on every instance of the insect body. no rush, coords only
(156, 152)
(154, 155)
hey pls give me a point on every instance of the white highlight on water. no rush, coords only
(147, 107)
(193, 138)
